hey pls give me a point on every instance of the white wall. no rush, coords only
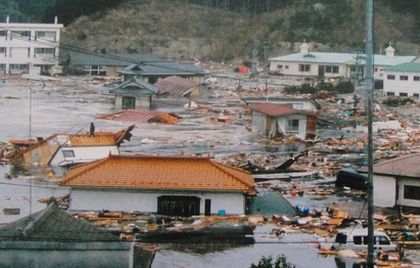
(20, 44)
(293, 69)
(282, 122)
(259, 123)
(84, 154)
(401, 86)
(146, 201)
(407, 202)
(384, 191)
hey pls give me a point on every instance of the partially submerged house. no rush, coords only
(151, 72)
(396, 182)
(68, 149)
(133, 93)
(306, 104)
(179, 185)
(332, 64)
(141, 117)
(276, 120)
(105, 64)
(54, 238)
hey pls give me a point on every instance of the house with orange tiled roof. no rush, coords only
(64, 149)
(277, 120)
(177, 185)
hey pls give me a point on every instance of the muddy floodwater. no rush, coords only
(34, 109)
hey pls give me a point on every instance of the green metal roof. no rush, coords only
(405, 67)
(268, 203)
(134, 86)
(54, 224)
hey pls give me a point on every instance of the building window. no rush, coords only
(390, 94)
(357, 240)
(411, 192)
(292, 126)
(45, 35)
(68, 153)
(20, 35)
(286, 67)
(415, 95)
(328, 69)
(376, 69)
(304, 67)
(404, 77)
(44, 50)
(335, 69)
(128, 102)
(382, 240)
(3, 33)
(3, 50)
(403, 94)
(390, 77)
(416, 78)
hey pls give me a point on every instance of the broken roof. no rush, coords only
(132, 86)
(163, 68)
(141, 116)
(174, 86)
(274, 109)
(54, 224)
(403, 166)
(159, 173)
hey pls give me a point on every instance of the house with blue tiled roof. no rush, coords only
(332, 64)
(402, 80)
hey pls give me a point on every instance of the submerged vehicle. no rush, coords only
(357, 240)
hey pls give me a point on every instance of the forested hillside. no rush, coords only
(222, 29)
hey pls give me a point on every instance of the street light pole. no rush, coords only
(369, 93)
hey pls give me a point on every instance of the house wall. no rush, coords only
(146, 201)
(282, 123)
(404, 201)
(259, 123)
(384, 191)
(21, 49)
(143, 101)
(84, 154)
(397, 86)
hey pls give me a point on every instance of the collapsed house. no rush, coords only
(181, 186)
(176, 86)
(277, 120)
(141, 117)
(67, 149)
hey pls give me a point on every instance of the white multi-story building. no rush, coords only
(402, 80)
(25, 47)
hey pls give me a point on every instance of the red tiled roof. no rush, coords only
(403, 166)
(174, 85)
(165, 173)
(141, 116)
(274, 109)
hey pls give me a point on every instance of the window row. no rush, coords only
(19, 51)
(26, 35)
(402, 77)
(401, 94)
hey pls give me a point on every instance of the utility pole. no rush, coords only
(369, 93)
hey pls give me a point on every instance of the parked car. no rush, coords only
(357, 240)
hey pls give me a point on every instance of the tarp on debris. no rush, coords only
(142, 116)
(268, 203)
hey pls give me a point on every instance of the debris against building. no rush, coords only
(157, 184)
(67, 149)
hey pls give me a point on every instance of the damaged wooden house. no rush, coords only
(177, 87)
(278, 120)
(67, 149)
(177, 185)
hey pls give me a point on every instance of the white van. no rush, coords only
(357, 240)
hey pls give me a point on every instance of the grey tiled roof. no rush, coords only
(122, 60)
(132, 86)
(166, 68)
(54, 224)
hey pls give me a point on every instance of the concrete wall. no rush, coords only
(146, 201)
(398, 86)
(384, 191)
(403, 201)
(84, 154)
(259, 123)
